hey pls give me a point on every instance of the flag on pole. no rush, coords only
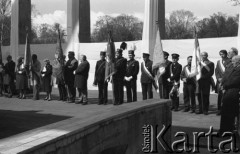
(27, 54)
(110, 65)
(59, 47)
(196, 59)
(158, 57)
(28, 61)
(58, 66)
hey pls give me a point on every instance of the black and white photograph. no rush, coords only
(119, 77)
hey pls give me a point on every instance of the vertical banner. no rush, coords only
(14, 39)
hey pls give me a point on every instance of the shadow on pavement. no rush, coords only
(15, 122)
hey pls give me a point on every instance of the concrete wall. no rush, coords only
(118, 134)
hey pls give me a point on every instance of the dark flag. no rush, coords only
(110, 65)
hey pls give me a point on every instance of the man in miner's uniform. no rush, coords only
(174, 79)
(131, 77)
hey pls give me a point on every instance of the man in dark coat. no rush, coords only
(9, 70)
(189, 87)
(230, 101)
(118, 77)
(219, 72)
(131, 77)
(81, 78)
(175, 71)
(205, 83)
(147, 77)
(164, 84)
(70, 67)
(99, 79)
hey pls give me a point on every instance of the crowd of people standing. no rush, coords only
(73, 76)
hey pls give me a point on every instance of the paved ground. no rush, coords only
(21, 115)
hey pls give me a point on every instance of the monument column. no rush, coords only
(20, 20)
(78, 23)
(161, 17)
(150, 26)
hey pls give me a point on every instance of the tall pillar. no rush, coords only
(161, 17)
(238, 39)
(84, 21)
(78, 24)
(150, 26)
(20, 20)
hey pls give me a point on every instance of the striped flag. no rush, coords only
(158, 57)
(196, 59)
(27, 54)
(28, 61)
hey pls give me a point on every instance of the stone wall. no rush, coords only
(119, 134)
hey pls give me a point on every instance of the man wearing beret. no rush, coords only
(189, 87)
(163, 82)
(131, 77)
(204, 83)
(70, 67)
(147, 77)
(219, 72)
(175, 72)
(118, 77)
(99, 79)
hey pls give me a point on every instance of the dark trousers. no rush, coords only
(83, 95)
(174, 98)
(164, 91)
(131, 87)
(220, 95)
(203, 100)
(227, 122)
(36, 88)
(102, 92)
(1, 89)
(189, 96)
(71, 90)
(62, 92)
(147, 91)
(118, 90)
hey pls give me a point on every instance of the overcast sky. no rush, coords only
(55, 10)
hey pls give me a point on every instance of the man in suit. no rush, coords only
(99, 79)
(118, 77)
(147, 77)
(131, 77)
(81, 78)
(174, 79)
(9, 70)
(70, 68)
(204, 83)
(163, 82)
(219, 72)
(58, 72)
(189, 87)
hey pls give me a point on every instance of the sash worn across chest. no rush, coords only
(222, 67)
(100, 67)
